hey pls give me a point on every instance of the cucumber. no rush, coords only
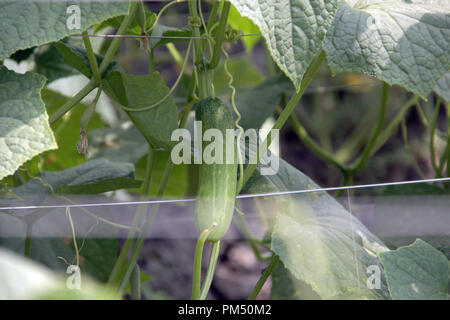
(216, 182)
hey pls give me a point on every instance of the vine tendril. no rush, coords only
(183, 67)
(236, 111)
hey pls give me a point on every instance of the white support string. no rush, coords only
(241, 196)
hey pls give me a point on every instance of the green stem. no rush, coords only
(409, 150)
(311, 144)
(114, 46)
(197, 275)
(72, 101)
(91, 58)
(199, 64)
(284, 116)
(220, 35)
(151, 61)
(121, 262)
(432, 132)
(241, 224)
(264, 278)
(213, 14)
(389, 130)
(211, 270)
(379, 126)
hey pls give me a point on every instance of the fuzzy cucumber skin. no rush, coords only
(217, 182)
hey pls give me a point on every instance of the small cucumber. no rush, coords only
(217, 182)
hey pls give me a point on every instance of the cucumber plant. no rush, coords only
(398, 42)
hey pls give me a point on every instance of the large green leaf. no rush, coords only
(317, 240)
(395, 41)
(293, 29)
(443, 87)
(418, 272)
(22, 278)
(132, 91)
(24, 128)
(25, 24)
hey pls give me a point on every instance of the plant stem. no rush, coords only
(389, 130)
(72, 101)
(264, 277)
(122, 259)
(112, 49)
(311, 144)
(114, 46)
(285, 114)
(409, 150)
(213, 14)
(220, 35)
(121, 262)
(379, 126)
(149, 170)
(92, 59)
(214, 255)
(197, 275)
(199, 64)
(432, 131)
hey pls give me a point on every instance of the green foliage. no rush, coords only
(317, 240)
(156, 124)
(324, 250)
(24, 128)
(48, 21)
(67, 132)
(416, 272)
(308, 20)
(394, 41)
(246, 26)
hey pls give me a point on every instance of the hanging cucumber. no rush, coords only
(217, 181)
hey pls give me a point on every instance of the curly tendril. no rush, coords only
(236, 111)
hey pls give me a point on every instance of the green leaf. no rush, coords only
(401, 43)
(443, 87)
(317, 240)
(50, 63)
(32, 23)
(246, 26)
(88, 175)
(286, 287)
(122, 143)
(293, 29)
(67, 131)
(416, 272)
(132, 91)
(78, 59)
(101, 186)
(258, 103)
(24, 128)
(404, 213)
(22, 278)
